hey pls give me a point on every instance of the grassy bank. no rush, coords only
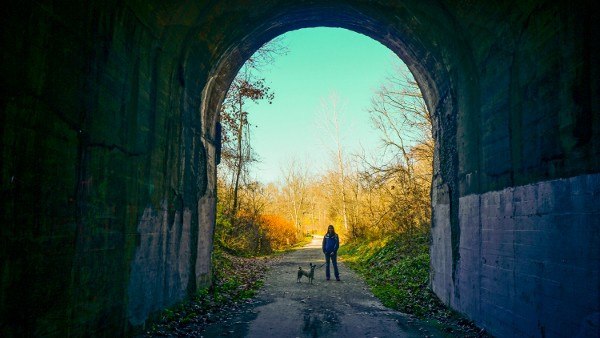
(397, 270)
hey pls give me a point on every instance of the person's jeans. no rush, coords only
(333, 258)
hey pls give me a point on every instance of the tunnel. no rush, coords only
(109, 151)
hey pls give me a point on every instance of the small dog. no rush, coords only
(310, 275)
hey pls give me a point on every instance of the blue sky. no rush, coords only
(320, 61)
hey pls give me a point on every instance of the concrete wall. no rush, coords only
(529, 259)
(515, 247)
(108, 152)
(106, 195)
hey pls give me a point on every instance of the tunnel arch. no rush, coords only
(443, 67)
(435, 69)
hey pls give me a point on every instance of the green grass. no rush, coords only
(397, 270)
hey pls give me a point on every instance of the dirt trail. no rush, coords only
(284, 308)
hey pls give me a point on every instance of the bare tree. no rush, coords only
(237, 148)
(295, 189)
(400, 114)
(330, 110)
(401, 177)
(247, 86)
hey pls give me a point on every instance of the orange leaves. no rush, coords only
(280, 232)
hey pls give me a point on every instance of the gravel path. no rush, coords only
(284, 308)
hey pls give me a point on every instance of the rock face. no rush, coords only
(109, 152)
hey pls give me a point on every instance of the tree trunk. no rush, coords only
(343, 186)
(238, 169)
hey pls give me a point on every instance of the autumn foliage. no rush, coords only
(255, 234)
(365, 195)
(280, 232)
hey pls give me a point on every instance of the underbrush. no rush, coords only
(397, 270)
(236, 277)
(235, 281)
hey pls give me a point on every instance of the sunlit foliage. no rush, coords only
(366, 196)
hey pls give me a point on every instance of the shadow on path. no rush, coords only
(284, 308)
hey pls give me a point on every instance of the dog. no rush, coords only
(310, 275)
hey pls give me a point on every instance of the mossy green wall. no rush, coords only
(100, 122)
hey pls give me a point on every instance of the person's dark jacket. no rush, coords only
(331, 243)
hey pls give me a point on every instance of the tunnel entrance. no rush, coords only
(438, 87)
(372, 186)
(437, 84)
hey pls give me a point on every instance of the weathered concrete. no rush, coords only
(526, 253)
(108, 151)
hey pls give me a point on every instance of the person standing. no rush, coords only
(331, 244)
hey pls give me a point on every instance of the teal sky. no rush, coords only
(320, 61)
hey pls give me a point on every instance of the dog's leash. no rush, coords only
(321, 266)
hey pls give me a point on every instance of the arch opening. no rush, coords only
(434, 69)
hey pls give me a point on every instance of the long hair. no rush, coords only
(332, 228)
